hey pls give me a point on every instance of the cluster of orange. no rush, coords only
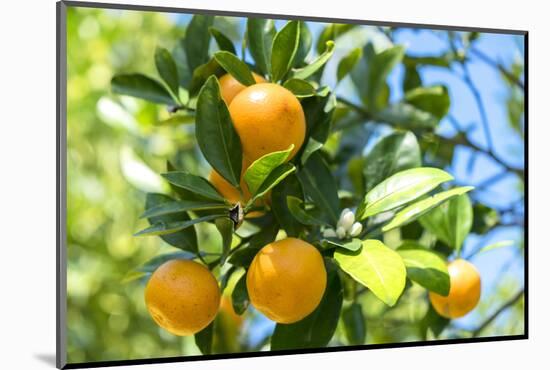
(287, 278)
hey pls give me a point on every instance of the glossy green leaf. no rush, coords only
(317, 329)
(311, 147)
(216, 135)
(433, 99)
(197, 40)
(226, 227)
(224, 43)
(236, 67)
(371, 74)
(347, 63)
(239, 296)
(284, 48)
(299, 88)
(319, 113)
(180, 58)
(304, 45)
(421, 207)
(260, 169)
(352, 246)
(167, 69)
(141, 86)
(178, 206)
(288, 187)
(195, 184)
(396, 152)
(451, 222)
(295, 206)
(184, 239)
(319, 185)
(203, 73)
(260, 34)
(316, 64)
(354, 324)
(425, 268)
(377, 267)
(399, 189)
(274, 178)
(204, 339)
(163, 227)
(407, 116)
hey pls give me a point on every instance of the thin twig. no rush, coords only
(502, 308)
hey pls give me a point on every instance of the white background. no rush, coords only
(27, 182)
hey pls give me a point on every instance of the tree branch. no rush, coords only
(502, 308)
(513, 79)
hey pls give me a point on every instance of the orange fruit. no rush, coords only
(268, 118)
(226, 308)
(464, 293)
(230, 87)
(182, 296)
(286, 280)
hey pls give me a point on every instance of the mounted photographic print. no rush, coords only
(240, 184)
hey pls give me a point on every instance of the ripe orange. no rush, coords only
(182, 296)
(286, 280)
(268, 118)
(464, 293)
(230, 86)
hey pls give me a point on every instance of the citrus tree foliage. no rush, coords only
(386, 220)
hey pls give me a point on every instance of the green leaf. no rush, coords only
(197, 40)
(319, 113)
(167, 69)
(180, 58)
(274, 178)
(451, 222)
(184, 239)
(311, 147)
(299, 88)
(177, 119)
(399, 189)
(317, 329)
(332, 32)
(304, 45)
(500, 244)
(216, 135)
(377, 267)
(195, 184)
(243, 257)
(407, 116)
(284, 48)
(261, 168)
(163, 228)
(224, 43)
(371, 74)
(354, 324)
(203, 73)
(236, 67)
(319, 185)
(239, 297)
(260, 34)
(141, 86)
(204, 339)
(155, 262)
(352, 246)
(433, 99)
(315, 65)
(396, 152)
(295, 206)
(417, 209)
(412, 78)
(425, 268)
(226, 227)
(485, 218)
(181, 206)
(347, 63)
(288, 187)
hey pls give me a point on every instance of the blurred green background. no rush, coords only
(115, 152)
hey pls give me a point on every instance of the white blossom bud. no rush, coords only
(346, 220)
(329, 233)
(341, 232)
(356, 229)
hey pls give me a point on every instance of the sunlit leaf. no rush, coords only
(260, 34)
(284, 48)
(315, 65)
(236, 67)
(260, 169)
